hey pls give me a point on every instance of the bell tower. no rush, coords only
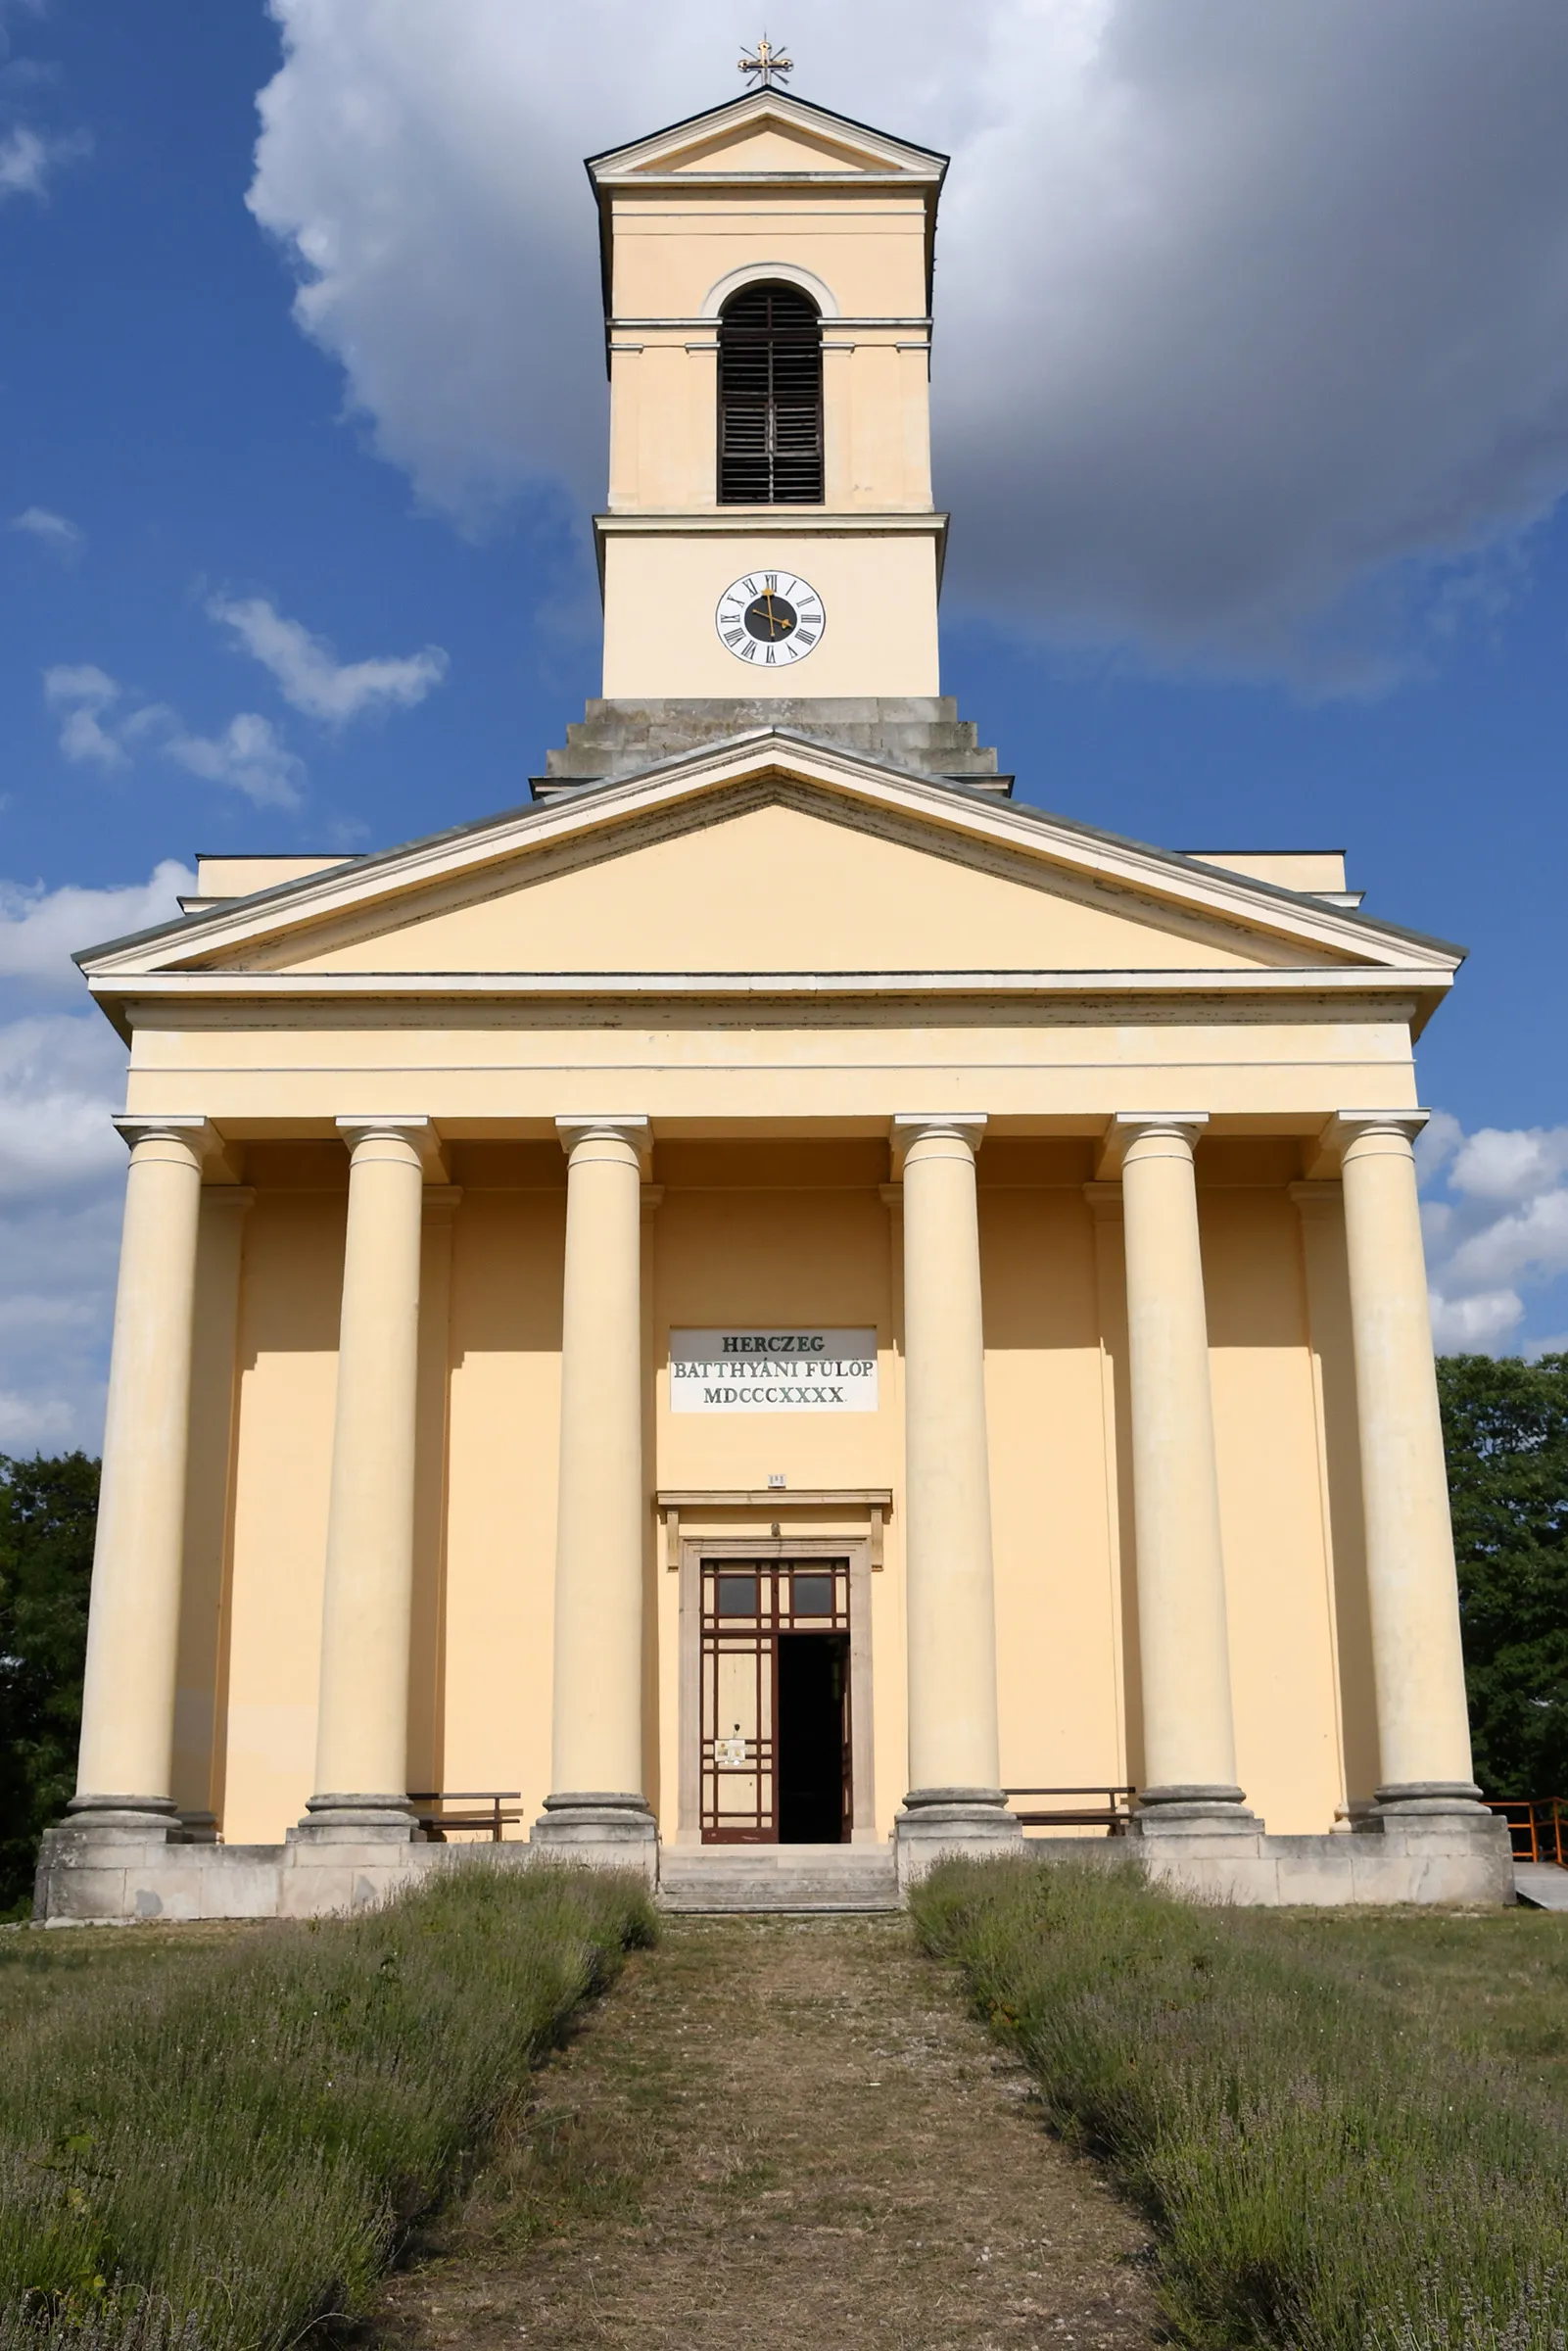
(769, 551)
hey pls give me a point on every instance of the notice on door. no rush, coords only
(740, 1371)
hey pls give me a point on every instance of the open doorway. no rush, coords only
(812, 1738)
(776, 1754)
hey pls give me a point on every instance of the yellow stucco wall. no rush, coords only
(774, 1232)
(878, 591)
(288, 1364)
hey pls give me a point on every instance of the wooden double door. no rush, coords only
(777, 1766)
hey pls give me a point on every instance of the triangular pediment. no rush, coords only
(767, 147)
(777, 874)
(766, 132)
(767, 861)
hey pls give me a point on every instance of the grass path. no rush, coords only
(785, 2133)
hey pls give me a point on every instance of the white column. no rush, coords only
(1412, 1590)
(361, 1745)
(603, 1524)
(125, 1763)
(1184, 1652)
(954, 1754)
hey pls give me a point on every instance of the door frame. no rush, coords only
(695, 1549)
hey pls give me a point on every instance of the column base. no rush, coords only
(941, 1824)
(1428, 1799)
(615, 1830)
(134, 1819)
(355, 1820)
(1195, 1808)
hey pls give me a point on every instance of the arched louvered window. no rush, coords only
(770, 399)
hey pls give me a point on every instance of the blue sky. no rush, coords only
(1374, 656)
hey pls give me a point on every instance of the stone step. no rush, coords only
(739, 1878)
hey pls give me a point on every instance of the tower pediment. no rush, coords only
(766, 132)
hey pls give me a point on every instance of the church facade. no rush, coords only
(775, 1308)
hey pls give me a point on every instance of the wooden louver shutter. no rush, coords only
(770, 399)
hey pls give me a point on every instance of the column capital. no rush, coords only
(631, 1128)
(188, 1126)
(1348, 1126)
(1129, 1127)
(911, 1126)
(408, 1125)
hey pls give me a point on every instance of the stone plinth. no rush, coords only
(120, 1879)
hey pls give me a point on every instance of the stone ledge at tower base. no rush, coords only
(100, 1880)
(920, 732)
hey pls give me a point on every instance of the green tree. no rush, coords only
(1505, 1429)
(48, 1511)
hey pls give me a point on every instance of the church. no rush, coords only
(776, 1310)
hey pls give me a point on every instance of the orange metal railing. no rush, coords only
(1537, 1826)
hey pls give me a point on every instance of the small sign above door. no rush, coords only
(738, 1371)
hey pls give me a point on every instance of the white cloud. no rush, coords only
(82, 694)
(29, 1425)
(1500, 1232)
(249, 755)
(41, 929)
(59, 1244)
(1252, 322)
(1512, 1163)
(28, 157)
(1479, 1325)
(60, 1075)
(62, 1165)
(309, 673)
(1530, 1242)
(53, 530)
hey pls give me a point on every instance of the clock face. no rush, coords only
(770, 620)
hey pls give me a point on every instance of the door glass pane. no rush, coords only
(738, 1596)
(814, 1595)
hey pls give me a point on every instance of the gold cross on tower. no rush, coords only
(767, 63)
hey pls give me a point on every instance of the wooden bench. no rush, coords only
(436, 1823)
(1113, 1812)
